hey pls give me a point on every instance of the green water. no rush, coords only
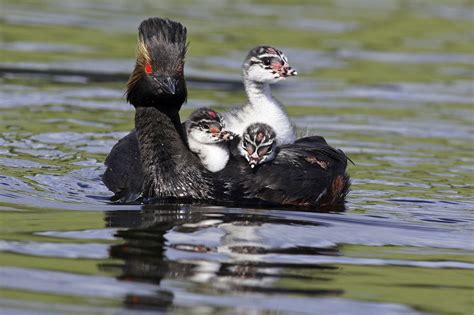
(389, 82)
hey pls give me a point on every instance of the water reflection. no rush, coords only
(271, 260)
(207, 251)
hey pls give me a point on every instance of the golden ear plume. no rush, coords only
(143, 58)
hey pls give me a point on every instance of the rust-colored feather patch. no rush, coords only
(314, 160)
(337, 186)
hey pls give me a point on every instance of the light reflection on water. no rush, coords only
(407, 231)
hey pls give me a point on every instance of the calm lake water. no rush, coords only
(389, 82)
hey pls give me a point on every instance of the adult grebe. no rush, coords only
(157, 89)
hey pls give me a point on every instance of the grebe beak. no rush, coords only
(169, 85)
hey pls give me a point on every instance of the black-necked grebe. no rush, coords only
(157, 89)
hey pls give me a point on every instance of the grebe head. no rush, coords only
(158, 75)
(207, 126)
(258, 144)
(266, 64)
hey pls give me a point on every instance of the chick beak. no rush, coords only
(254, 159)
(288, 71)
(226, 135)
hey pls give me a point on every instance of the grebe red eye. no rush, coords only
(148, 68)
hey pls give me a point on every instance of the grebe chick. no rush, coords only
(258, 144)
(208, 138)
(264, 65)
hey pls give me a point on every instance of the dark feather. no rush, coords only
(308, 173)
(124, 175)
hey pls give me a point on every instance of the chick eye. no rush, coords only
(267, 61)
(205, 126)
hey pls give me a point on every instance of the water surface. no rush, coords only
(389, 82)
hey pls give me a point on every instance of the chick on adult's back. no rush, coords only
(263, 66)
(208, 138)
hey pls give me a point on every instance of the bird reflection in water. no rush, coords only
(213, 251)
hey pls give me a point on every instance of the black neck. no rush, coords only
(141, 95)
(176, 121)
(171, 170)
